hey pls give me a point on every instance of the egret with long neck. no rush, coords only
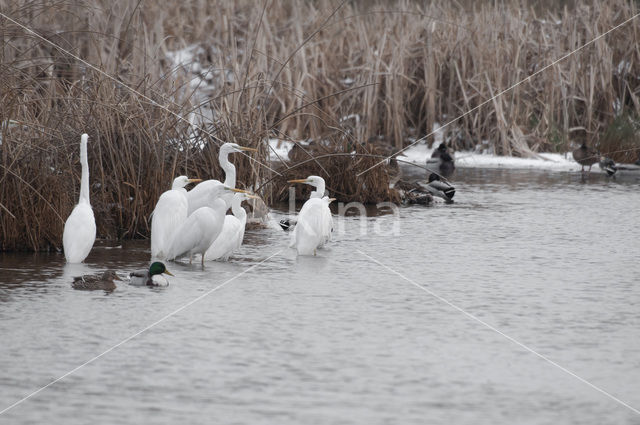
(201, 195)
(80, 228)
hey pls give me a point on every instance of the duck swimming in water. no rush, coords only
(439, 188)
(146, 277)
(103, 281)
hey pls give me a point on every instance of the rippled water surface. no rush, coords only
(370, 331)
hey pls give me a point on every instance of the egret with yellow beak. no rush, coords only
(315, 224)
(200, 196)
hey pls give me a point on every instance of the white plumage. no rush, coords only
(196, 234)
(80, 228)
(201, 195)
(230, 239)
(170, 212)
(315, 223)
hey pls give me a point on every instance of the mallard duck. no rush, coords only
(412, 193)
(287, 224)
(103, 281)
(442, 159)
(439, 188)
(585, 156)
(607, 165)
(146, 277)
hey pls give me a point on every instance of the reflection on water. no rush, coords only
(545, 257)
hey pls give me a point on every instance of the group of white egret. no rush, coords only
(187, 223)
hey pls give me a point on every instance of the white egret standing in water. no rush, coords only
(200, 196)
(232, 233)
(80, 228)
(196, 234)
(168, 215)
(314, 225)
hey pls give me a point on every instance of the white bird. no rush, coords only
(314, 225)
(196, 234)
(170, 212)
(80, 228)
(200, 196)
(232, 233)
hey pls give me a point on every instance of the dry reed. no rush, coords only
(337, 73)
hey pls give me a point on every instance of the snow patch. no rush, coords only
(418, 154)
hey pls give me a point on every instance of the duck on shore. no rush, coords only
(442, 159)
(585, 156)
(102, 281)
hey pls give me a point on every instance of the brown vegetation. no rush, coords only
(292, 70)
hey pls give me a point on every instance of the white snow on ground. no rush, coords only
(419, 153)
(279, 149)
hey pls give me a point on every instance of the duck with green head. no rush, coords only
(146, 277)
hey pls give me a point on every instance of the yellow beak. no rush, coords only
(297, 181)
(238, 190)
(168, 272)
(194, 180)
(331, 200)
(253, 197)
(242, 148)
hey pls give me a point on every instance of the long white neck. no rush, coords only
(237, 210)
(84, 183)
(228, 167)
(319, 192)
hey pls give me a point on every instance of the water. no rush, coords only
(543, 257)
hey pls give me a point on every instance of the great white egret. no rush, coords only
(232, 233)
(196, 234)
(201, 195)
(314, 225)
(80, 228)
(150, 277)
(168, 215)
(102, 281)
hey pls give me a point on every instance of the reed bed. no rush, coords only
(340, 74)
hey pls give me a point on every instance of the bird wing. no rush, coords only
(200, 196)
(169, 214)
(196, 233)
(79, 233)
(310, 229)
(227, 241)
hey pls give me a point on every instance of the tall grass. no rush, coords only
(344, 74)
